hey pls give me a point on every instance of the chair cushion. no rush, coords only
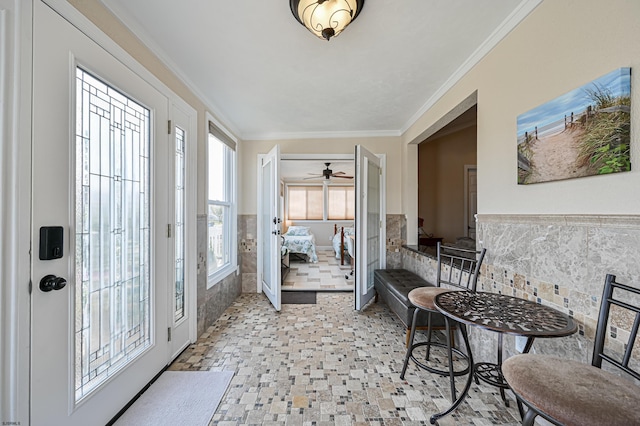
(571, 392)
(424, 297)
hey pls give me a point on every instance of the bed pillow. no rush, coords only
(298, 231)
(349, 231)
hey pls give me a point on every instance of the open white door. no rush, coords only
(269, 225)
(370, 223)
(99, 219)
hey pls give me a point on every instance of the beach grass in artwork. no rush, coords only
(584, 132)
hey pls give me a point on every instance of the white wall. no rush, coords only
(248, 155)
(560, 46)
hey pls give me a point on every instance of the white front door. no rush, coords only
(99, 183)
(269, 225)
(370, 223)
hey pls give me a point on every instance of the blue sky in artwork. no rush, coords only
(576, 101)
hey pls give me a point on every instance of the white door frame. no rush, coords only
(15, 191)
(467, 169)
(332, 157)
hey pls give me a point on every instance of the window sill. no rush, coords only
(220, 275)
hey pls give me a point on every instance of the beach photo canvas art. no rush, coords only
(584, 132)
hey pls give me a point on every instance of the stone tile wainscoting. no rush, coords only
(396, 238)
(212, 302)
(556, 260)
(248, 251)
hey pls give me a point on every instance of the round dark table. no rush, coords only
(504, 315)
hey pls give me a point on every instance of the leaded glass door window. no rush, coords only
(112, 231)
(179, 234)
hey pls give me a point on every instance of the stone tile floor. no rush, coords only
(326, 364)
(326, 275)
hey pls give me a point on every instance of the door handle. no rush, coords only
(51, 282)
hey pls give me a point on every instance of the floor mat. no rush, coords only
(298, 297)
(179, 398)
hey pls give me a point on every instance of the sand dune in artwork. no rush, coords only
(555, 157)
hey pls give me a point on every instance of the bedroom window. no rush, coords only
(320, 202)
(340, 203)
(306, 202)
(221, 205)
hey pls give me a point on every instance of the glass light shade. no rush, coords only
(327, 18)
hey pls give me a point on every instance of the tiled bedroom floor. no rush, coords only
(326, 275)
(326, 364)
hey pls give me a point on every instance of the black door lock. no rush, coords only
(51, 242)
(51, 282)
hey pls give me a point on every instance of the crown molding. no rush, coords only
(136, 29)
(510, 22)
(321, 135)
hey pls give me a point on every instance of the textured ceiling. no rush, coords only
(265, 76)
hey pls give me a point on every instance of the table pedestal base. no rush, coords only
(491, 374)
(456, 401)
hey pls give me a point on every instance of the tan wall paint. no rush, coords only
(248, 157)
(441, 182)
(102, 18)
(558, 47)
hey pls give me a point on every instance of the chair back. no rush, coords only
(459, 267)
(623, 300)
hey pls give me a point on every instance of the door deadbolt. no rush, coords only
(51, 282)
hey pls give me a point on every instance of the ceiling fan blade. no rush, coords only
(343, 177)
(339, 173)
(313, 177)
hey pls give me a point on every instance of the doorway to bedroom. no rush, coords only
(318, 207)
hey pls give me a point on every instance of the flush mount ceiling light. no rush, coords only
(326, 18)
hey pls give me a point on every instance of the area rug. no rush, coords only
(298, 297)
(179, 398)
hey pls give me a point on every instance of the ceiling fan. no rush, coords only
(328, 174)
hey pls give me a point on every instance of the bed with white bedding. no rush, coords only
(299, 240)
(341, 241)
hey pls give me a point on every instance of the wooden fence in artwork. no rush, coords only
(583, 118)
